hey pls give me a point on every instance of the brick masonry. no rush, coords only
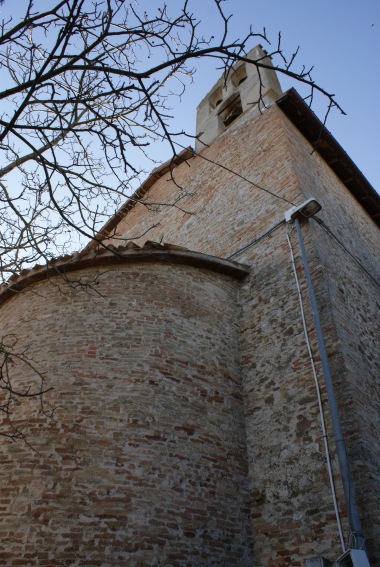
(291, 503)
(185, 400)
(144, 462)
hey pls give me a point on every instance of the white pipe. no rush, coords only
(348, 485)
(325, 439)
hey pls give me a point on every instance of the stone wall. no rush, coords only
(212, 210)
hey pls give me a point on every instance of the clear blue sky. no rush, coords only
(339, 38)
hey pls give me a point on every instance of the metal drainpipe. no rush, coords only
(348, 487)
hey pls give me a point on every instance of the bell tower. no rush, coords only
(245, 85)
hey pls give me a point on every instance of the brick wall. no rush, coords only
(277, 434)
(350, 293)
(144, 462)
(292, 508)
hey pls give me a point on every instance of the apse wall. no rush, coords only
(144, 459)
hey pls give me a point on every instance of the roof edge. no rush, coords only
(324, 143)
(150, 252)
(138, 195)
(299, 113)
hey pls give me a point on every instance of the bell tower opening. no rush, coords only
(242, 89)
(232, 110)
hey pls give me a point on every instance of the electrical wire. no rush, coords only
(330, 233)
(268, 233)
(320, 405)
(244, 178)
(201, 156)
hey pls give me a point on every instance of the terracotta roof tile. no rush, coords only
(130, 252)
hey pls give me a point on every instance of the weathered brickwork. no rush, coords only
(352, 294)
(144, 462)
(292, 508)
(187, 416)
(218, 211)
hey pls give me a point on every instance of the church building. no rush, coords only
(213, 357)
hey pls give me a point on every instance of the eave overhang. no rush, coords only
(299, 113)
(131, 253)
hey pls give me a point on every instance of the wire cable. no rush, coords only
(244, 178)
(320, 405)
(268, 233)
(330, 233)
(201, 156)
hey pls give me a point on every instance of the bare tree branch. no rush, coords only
(85, 93)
